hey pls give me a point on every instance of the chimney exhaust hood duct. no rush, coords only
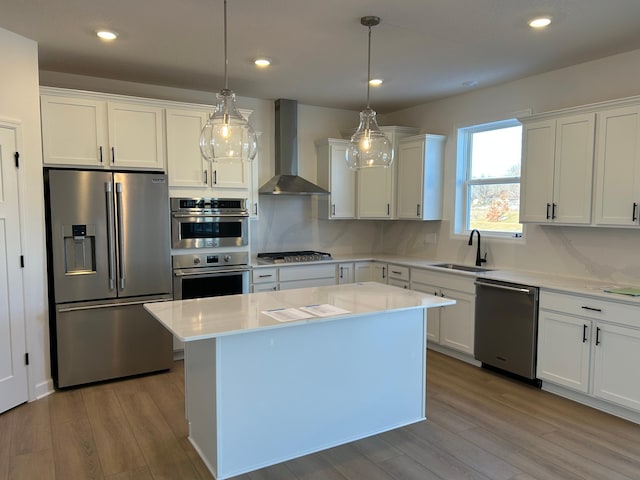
(286, 180)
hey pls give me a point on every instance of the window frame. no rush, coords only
(464, 181)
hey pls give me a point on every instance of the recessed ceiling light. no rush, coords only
(107, 35)
(375, 82)
(540, 22)
(262, 62)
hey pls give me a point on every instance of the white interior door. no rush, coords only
(13, 371)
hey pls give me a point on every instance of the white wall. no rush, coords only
(611, 255)
(19, 101)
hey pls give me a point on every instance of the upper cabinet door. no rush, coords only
(186, 166)
(73, 131)
(618, 167)
(557, 170)
(135, 136)
(375, 192)
(538, 151)
(334, 175)
(573, 169)
(419, 191)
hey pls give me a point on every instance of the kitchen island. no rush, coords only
(276, 375)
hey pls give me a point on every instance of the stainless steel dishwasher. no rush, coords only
(506, 326)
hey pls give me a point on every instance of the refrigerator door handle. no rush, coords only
(108, 187)
(120, 234)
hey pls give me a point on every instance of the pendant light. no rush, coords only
(227, 136)
(369, 147)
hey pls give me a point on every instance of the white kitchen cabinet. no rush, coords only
(81, 131)
(187, 167)
(454, 327)
(376, 187)
(557, 170)
(264, 279)
(379, 272)
(420, 162)
(362, 272)
(590, 345)
(617, 194)
(334, 176)
(564, 349)
(346, 273)
(398, 275)
(615, 373)
(300, 276)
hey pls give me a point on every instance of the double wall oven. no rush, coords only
(214, 224)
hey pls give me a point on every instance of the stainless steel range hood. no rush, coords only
(286, 180)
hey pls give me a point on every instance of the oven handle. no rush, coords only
(210, 272)
(207, 215)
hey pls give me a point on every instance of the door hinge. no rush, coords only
(26, 359)
(17, 157)
(21, 261)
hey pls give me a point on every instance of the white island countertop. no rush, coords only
(211, 317)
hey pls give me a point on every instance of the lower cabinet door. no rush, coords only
(617, 357)
(563, 350)
(457, 322)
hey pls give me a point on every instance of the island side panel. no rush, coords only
(287, 392)
(200, 392)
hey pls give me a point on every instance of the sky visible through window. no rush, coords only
(496, 153)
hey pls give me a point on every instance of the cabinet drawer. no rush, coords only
(589, 307)
(305, 272)
(452, 281)
(398, 283)
(264, 287)
(263, 275)
(398, 272)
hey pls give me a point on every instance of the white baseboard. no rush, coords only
(43, 389)
(465, 357)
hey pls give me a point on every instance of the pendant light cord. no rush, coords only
(368, 67)
(226, 58)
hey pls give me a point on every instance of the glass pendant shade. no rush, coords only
(227, 136)
(369, 147)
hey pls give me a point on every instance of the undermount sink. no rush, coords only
(464, 268)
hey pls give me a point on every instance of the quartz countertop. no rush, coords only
(582, 286)
(210, 317)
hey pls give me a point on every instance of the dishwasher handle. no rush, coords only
(528, 291)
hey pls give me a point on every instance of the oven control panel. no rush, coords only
(209, 260)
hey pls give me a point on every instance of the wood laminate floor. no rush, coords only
(480, 426)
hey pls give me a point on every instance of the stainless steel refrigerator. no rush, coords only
(108, 253)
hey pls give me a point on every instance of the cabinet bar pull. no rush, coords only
(113, 154)
(215, 177)
(598, 342)
(584, 333)
(333, 209)
(634, 214)
(341, 269)
(548, 207)
(265, 275)
(255, 208)
(553, 210)
(384, 272)
(592, 309)
(100, 153)
(396, 272)
(206, 177)
(388, 209)
(418, 210)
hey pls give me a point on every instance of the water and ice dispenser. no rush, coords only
(79, 249)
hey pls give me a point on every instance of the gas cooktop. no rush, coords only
(290, 257)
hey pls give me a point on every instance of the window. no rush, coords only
(489, 178)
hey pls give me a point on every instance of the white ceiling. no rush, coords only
(424, 49)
